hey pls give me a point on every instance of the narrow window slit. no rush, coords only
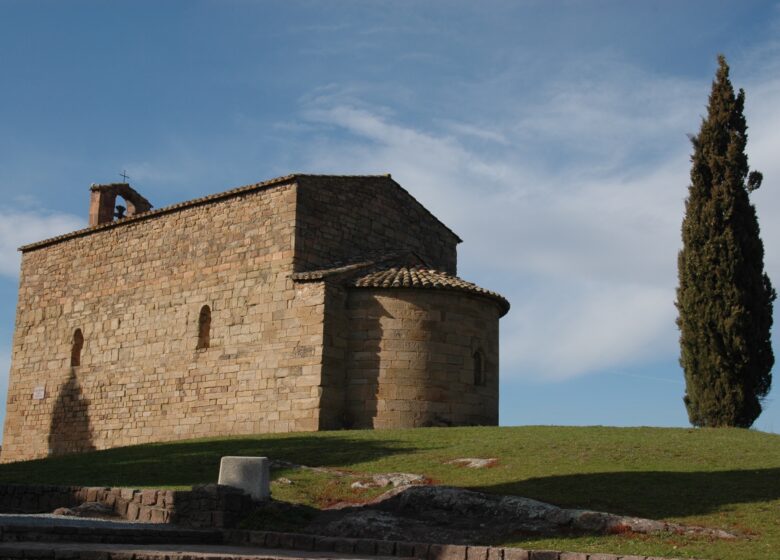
(75, 349)
(204, 327)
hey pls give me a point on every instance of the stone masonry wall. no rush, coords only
(203, 506)
(410, 359)
(340, 218)
(136, 291)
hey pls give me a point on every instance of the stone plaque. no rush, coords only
(39, 392)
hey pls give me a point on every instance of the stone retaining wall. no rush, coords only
(203, 506)
(420, 551)
(38, 542)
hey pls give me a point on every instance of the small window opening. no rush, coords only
(479, 369)
(75, 349)
(204, 327)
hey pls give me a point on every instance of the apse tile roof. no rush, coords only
(425, 278)
(367, 261)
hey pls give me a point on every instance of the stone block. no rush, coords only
(543, 555)
(132, 511)
(287, 540)
(494, 553)
(121, 507)
(576, 556)
(145, 513)
(344, 546)
(516, 554)
(322, 544)
(158, 515)
(385, 548)
(148, 497)
(303, 542)
(272, 540)
(421, 550)
(249, 474)
(447, 552)
(365, 546)
(477, 553)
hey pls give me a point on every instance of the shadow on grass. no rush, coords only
(652, 494)
(184, 463)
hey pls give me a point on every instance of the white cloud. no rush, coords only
(585, 251)
(20, 227)
(763, 117)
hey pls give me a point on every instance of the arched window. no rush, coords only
(204, 327)
(75, 349)
(479, 368)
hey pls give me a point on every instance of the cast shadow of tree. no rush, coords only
(651, 494)
(70, 430)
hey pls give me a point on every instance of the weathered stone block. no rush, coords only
(516, 554)
(386, 548)
(447, 552)
(576, 556)
(133, 510)
(303, 542)
(541, 554)
(365, 546)
(477, 553)
(148, 497)
(250, 474)
(421, 550)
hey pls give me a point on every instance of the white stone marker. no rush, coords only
(250, 474)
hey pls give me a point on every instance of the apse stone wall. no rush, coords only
(411, 358)
(136, 290)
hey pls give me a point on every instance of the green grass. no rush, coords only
(726, 478)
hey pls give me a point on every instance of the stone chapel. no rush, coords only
(302, 303)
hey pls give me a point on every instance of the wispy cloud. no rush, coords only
(585, 250)
(19, 227)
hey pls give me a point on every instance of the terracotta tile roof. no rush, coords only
(373, 261)
(424, 278)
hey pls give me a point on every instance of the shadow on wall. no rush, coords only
(653, 494)
(70, 430)
(364, 360)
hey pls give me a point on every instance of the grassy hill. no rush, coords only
(725, 478)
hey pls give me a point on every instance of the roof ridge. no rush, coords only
(193, 202)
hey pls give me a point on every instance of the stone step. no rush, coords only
(142, 533)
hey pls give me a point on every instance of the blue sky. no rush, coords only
(550, 135)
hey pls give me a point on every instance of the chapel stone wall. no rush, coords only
(341, 218)
(136, 292)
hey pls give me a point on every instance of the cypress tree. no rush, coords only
(724, 297)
